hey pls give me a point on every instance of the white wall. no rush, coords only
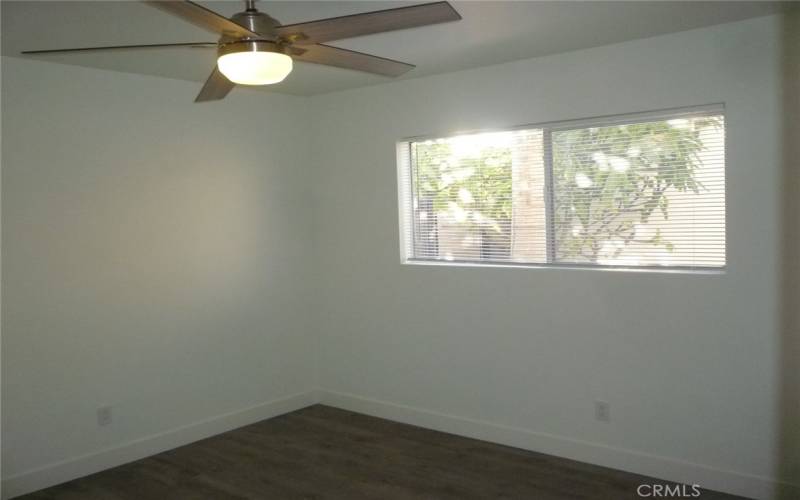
(154, 258)
(689, 363)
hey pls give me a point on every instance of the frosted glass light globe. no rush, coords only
(255, 68)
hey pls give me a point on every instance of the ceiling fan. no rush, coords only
(255, 49)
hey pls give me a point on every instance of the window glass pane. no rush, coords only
(480, 197)
(644, 194)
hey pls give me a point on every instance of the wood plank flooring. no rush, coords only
(321, 452)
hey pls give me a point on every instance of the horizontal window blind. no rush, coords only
(624, 192)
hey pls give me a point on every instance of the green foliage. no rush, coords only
(486, 177)
(606, 181)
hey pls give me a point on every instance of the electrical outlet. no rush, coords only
(104, 416)
(602, 411)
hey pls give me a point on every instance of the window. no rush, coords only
(636, 191)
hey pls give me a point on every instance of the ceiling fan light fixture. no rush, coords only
(256, 49)
(254, 63)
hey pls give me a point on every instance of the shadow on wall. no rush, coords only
(789, 430)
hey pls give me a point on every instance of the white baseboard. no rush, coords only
(84, 465)
(669, 469)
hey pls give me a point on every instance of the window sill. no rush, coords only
(704, 271)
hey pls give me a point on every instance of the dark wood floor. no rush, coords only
(323, 452)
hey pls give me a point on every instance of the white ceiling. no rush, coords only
(491, 32)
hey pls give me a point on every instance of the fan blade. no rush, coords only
(337, 28)
(202, 17)
(348, 59)
(200, 45)
(215, 88)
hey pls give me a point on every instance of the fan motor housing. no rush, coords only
(251, 46)
(257, 22)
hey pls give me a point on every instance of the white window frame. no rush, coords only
(405, 191)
